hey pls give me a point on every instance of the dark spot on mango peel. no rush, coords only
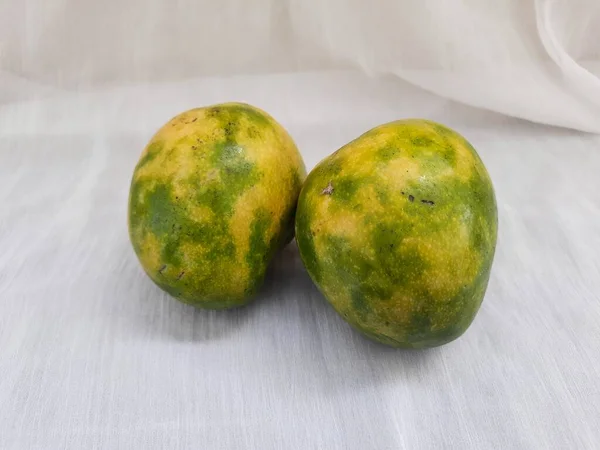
(328, 190)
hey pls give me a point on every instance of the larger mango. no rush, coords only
(398, 230)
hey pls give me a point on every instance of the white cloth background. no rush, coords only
(93, 355)
(534, 59)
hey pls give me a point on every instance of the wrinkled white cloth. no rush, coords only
(534, 59)
(94, 356)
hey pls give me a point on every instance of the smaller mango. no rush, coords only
(212, 199)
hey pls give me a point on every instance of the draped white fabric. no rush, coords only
(533, 59)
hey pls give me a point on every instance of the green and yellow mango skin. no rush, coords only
(398, 230)
(212, 199)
